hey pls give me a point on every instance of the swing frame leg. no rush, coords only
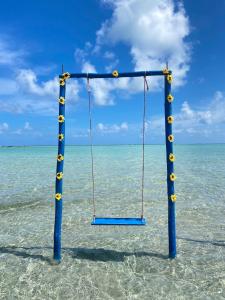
(59, 176)
(170, 170)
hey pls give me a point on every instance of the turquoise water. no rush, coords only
(113, 262)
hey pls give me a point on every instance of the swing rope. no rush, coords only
(146, 88)
(143, 147)
(91, 146)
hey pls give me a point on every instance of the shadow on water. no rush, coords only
(214, 243)
(24, 252)
(95, 254)
(101, 254)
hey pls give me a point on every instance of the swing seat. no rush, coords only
(119, 221)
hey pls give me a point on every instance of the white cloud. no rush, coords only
(8, 86)
(80, 135)
(100, 88)
(24, 90)
(8, 54)
(101, 126)
(23, 103)
(28, 81)
(155, 32)
(217, 108)
(109, 55)
(115, 128)
(81, 54)
(27, 126)
(18, 131)
(26, 129)
(206, 120)
(35, 96)
(112, 66)
(124, 126)
(4, 127)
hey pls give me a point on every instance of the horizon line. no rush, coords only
(129, 144)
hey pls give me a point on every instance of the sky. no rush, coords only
(37, 37)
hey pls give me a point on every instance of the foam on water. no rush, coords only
(112, 262)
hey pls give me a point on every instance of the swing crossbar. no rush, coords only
(123, 74)
(119, 221)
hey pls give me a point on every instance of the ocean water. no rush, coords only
(112, 262)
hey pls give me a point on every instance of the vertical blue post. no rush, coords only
(170, 158)
(59, 170)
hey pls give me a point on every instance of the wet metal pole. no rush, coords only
(170, 158)
(59, 170)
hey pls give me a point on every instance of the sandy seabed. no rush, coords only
(113, 262)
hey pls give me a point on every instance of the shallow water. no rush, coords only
(112, 262)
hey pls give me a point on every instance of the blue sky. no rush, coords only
(36, 37)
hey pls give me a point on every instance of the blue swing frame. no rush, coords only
(169, 158)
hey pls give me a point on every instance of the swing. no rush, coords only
(171, 196)
(109, 220)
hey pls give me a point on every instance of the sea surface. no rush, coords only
(112, 262)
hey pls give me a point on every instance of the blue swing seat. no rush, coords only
(119, 221)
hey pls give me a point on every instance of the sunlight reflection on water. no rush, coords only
(112, 262)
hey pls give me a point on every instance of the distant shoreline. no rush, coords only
(108, 145)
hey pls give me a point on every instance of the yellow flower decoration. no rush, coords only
(61, 81)
(115, 73)
(58, 196)
(169, 78)
(170, 138)
(66, 76)
(172, 157)
(170, 98)
(59, 175)
(165, 71)
(61, 137)
(173, 177)
(173, 198)
(61, 118)
(60, 157)
(62, 100)
(170, 119)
